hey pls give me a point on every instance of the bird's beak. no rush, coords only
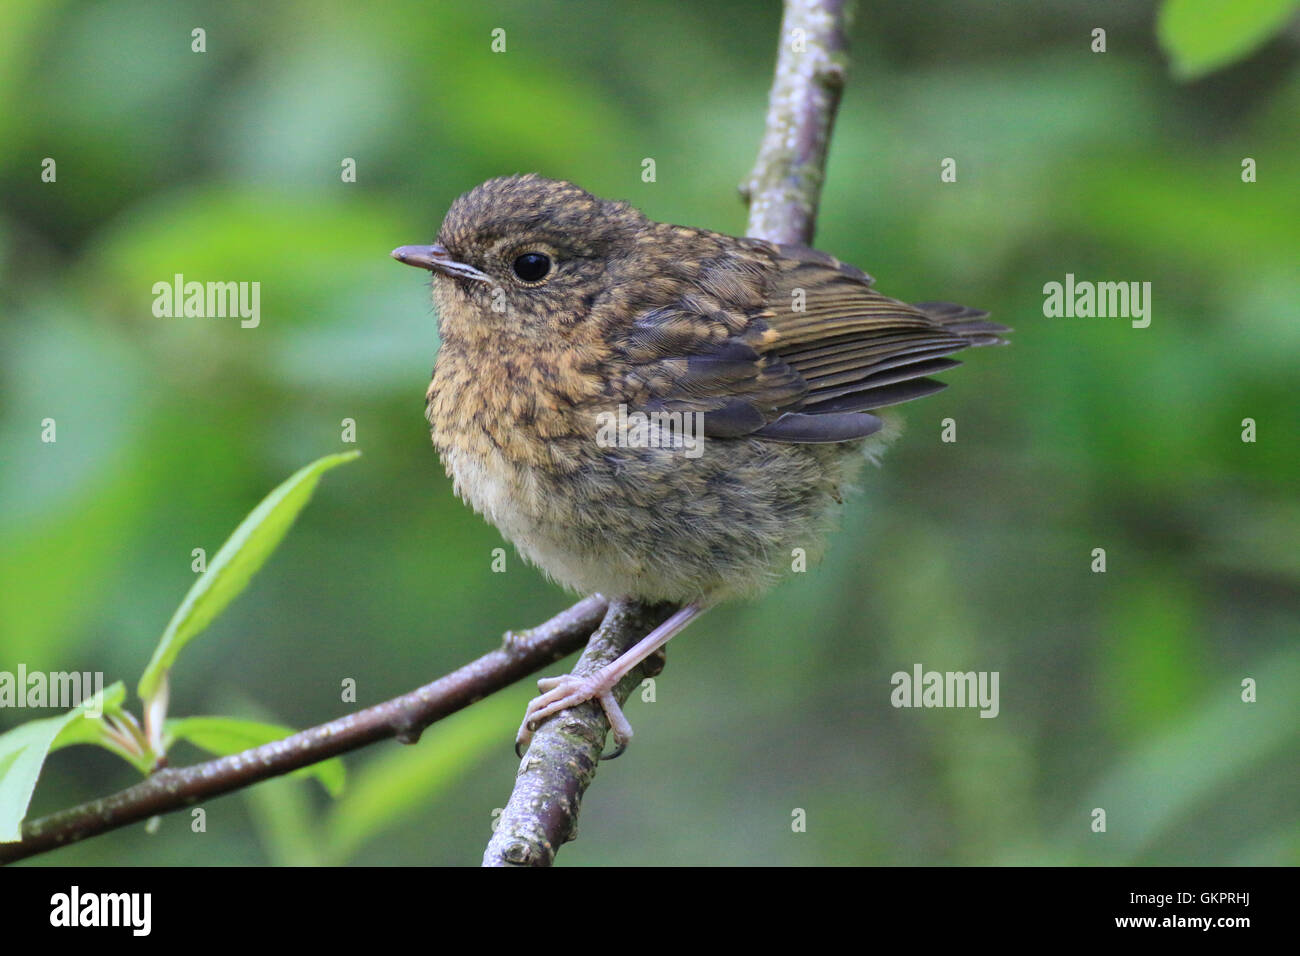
(437, 259)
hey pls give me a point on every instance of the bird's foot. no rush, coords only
(568, 691)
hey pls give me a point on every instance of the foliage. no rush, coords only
(977, 554)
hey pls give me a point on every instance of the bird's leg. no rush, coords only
(561, 693)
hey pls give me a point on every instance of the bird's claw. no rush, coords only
(563, 693)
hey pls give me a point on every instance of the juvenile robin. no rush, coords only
(658, 411)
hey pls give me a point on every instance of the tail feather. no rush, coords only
(967, 322)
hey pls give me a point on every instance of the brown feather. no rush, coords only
(816, 341)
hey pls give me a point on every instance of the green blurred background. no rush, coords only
(1118, 690)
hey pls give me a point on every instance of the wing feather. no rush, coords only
(803, 359)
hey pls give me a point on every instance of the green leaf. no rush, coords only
(244, 552)
(228, 735)
(285, 820)
(1153, 788)
(1202, 36)
(23, 751)
(87, 731)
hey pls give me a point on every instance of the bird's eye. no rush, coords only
(532, 266)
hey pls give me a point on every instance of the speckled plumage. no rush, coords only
(662, 318)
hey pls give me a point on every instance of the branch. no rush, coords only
(402, 717)
(561, 761)
(784, 188)
(782, 191)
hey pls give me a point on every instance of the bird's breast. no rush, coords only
(507, 425)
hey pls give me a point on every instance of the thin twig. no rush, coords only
(402, 717)
(783, 191)
(785, 186)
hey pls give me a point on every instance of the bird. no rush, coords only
(659, 412)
